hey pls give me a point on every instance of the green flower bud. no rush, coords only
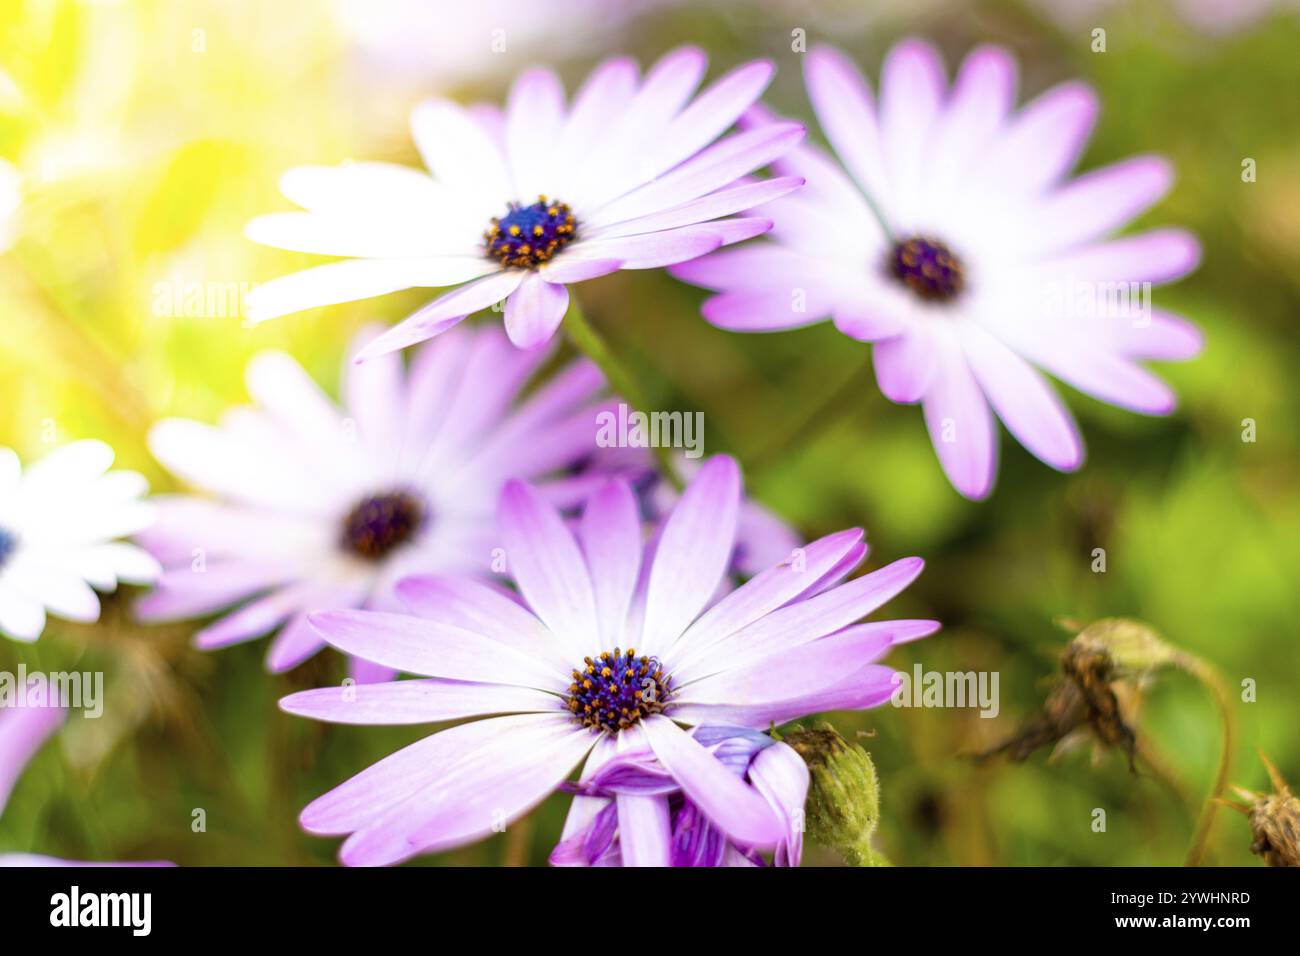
(843, 804)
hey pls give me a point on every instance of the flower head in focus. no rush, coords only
(593, 834)
(611, 644)
(952, 239)
(311, 506)
(517, 206)
(59, 521)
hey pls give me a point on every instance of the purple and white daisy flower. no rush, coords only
(775, 770)
(957, 245)
(310, 506)
(23, 731)
(517, 206)
(59, 524)
(553, 660)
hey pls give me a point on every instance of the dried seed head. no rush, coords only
(1274, 820)
(1103, 668)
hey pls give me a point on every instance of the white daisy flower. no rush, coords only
(59, 525)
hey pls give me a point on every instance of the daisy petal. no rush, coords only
(693, 553)
(433, 648)
(487, 788)
(610, 533)
(644, 830)
(549, 568)
(358, 279)
(845, 109)
(534, 311)
(724, 798)
(444, 312)
(1027, 405)
(414, 702)
(961, 426)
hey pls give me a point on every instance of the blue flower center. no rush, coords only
(927, 267)
(615, 690)
(528, 236)
(381, 523)
(8, 545)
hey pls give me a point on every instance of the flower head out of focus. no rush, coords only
(593, 836)
(313, 507)
(59, 521)
(953, 240)
(611, 644)
(630, 175)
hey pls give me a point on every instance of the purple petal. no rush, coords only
(738, 809)
(803, 671)
(844, 107)
(534, 311)
(610, 533)
(711, 113)
(961, 426)
(1044, 140)
(563, 270)
(549, 569)
(486, 789)
(1027, 405)
(420, 646)
(1100, 201)
(781, 776)
(769, 590)
(415, 702)
(644, 830)
(805, 620)
(869, 687)
(444, 312)
(356, 279)
(911, 94)
(534, 119)
(381, 786)
(905, 365)
(475, 606)
(716, 167)
(22, 732)
(693, 553)
(724, 202)
(1161, 255)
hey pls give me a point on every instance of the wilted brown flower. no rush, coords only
(1274, 820)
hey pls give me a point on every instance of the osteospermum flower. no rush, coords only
(610, 646)
(593, 836)
(59, 521)
(518, 206)
(311, 506)
(957, 245)
(23, 731)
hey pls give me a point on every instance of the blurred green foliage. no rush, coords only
(145, 155)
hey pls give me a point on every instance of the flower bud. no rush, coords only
(843, 804)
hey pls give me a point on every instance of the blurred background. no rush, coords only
(137, 138)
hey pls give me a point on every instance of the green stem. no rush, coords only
(589, 342)
(824, 413)
(1213, 682)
